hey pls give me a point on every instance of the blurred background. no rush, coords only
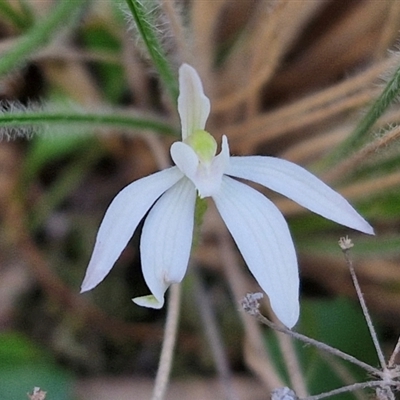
(286, 78)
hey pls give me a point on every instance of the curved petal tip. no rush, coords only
(148, 301)
(287, 313)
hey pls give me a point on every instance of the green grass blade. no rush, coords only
(39, 35)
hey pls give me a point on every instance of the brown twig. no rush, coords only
(251, 307)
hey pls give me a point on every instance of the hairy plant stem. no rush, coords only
(148, 32)
(11, 121)
(351, 163)
(381, 104)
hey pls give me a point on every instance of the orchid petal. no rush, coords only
(185, 158)
(205, 176)
(221, 161)
(299, 185)
(121, 219)
(166, 241)
(263, 238)
(193, 104)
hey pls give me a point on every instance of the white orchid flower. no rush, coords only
(257, 226)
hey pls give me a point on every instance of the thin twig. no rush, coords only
(392, 360)
(345, 389)
(345, 244)
(167, 352)
(250, 305)
(322, 346)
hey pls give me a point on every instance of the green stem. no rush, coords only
(148, 33)
(45, 118)
(377, 109)
(39, 35)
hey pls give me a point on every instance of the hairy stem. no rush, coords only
(381, 104)
(148, 32)
(11, 122)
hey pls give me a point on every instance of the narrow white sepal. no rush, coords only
(121, 219)
(299, 185)
(167, 238)
(193, 104)
(263, 238)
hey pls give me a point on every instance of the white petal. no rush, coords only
(221, 161)
(167, 238)
(299, 185)
(121, 219)
(205, 176)
(263, 238)
(185, 158)
(193, 105)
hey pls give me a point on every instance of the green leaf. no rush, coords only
(24, 365)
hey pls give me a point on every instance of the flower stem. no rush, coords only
(361, 299)
(171, 326)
